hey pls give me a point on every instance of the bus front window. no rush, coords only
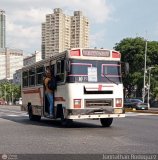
(94, 71)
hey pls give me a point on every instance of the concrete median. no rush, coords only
(150, 110)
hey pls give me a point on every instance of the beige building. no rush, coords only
(10, 61)
(61, 32)
(27, 60)
(79, 31)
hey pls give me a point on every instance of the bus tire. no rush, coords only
(66, 122)
(106, 122)
(31, 116)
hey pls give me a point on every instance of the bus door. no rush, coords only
(50, 66)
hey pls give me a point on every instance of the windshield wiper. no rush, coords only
(110, 79)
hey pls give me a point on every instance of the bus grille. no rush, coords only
(98, 103)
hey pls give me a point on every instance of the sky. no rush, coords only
(110, 20)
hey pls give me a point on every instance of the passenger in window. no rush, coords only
(49, 92)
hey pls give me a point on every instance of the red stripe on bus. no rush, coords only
(31, 91)
(100, 87)
(59, 99)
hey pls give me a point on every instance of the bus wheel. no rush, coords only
(106, 122)
(33, 117)
(65, 122)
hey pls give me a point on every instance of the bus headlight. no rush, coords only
(118, 102)
(77, 103)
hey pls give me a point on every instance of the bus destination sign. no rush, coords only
(96, 53)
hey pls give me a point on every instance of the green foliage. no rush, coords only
(9, 91)
(133, 52)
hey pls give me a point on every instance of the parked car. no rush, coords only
(154, 104)
(2, 101)
(135, 103)
(18, 101)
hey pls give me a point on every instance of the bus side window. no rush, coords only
(39, 75)
(32, 77)
(60, 71)
(53, 69)
(25, 79)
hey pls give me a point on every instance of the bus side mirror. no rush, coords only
(125, 68)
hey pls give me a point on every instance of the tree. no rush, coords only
(9, 91)
(133, 52)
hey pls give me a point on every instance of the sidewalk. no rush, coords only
(14, 107)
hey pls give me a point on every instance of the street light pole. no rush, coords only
(10, 94)
(12, 97)
(5, 93)
(146, 43)
(149, 68)
(0, 91)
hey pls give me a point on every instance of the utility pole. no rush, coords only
(5, 93)
(10, 93)
(0, 91)
(149, 69)
(145, 71)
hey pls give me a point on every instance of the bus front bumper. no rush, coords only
(96, 116)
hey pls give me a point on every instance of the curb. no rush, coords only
(142, 111)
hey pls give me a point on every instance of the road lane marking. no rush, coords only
(14, 115)
(12, 111)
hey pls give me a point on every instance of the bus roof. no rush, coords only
(82, 53)
(94, 54)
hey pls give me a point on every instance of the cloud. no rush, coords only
(97, 10)
(23, 37)
(24, 18)
(30, 17)
(97, 38)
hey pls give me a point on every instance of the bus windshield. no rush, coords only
(94, 71)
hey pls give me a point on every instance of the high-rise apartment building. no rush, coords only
(79, 30)
(2, 29)
(55, 33)
(10, 61)
(61, 32)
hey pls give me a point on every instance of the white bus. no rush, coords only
(89, 86)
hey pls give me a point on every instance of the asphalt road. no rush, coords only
(135, 134)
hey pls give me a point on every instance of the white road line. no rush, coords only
(6, 110)
(11, 113)
(14, 115)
